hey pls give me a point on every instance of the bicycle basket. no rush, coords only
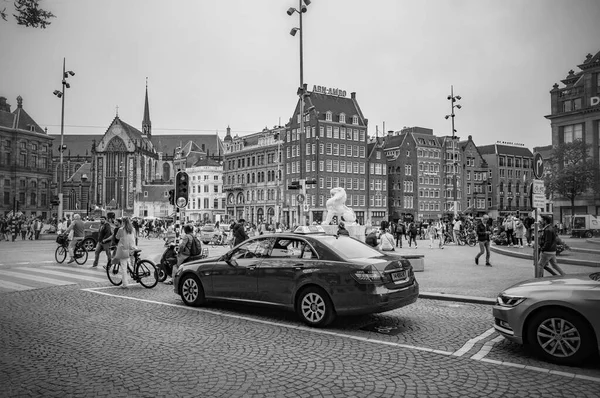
(61, 239)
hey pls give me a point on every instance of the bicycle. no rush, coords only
(79, 253)
(217, 239)
(143, 272)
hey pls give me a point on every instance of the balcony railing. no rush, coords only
(571, 92)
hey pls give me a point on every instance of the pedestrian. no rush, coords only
(412, 234)
(386, 241)
(456, 230)
(483, 236)
(78, 229)
(528, 224)
(547, 248)
(519, 232)
(125, 246)
(400, 232)
(184, 249)
(433, 234)
(239, 232)
(37, 228)
(342, 229)
(104, 238)
(509, 227)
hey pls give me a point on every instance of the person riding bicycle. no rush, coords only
(78, 229)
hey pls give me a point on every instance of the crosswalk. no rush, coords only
(28, 278)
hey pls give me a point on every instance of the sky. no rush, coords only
(213, 64)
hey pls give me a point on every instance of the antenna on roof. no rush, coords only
(117, 110)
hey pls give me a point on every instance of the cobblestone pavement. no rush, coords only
(92, 340)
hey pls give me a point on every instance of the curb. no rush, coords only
(560, 260)
(457, 297)
(594, 241)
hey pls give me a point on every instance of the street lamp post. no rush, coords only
(452, 98)
(302, 8)
(61, 94)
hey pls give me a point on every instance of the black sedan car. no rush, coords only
(316, 275)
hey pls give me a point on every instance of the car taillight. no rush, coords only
(371, 276)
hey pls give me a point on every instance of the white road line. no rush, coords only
(20, 275)
(487, 347)
(72, 274)
(346, 336)
(469, 344)
(92, 271)
(14, 286)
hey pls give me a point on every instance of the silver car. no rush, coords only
(558, 317)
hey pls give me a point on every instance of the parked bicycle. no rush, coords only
(80, 254)
(467, 237)
(142, 271)
(217, 239)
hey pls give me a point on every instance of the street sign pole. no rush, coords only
(538, 200)
(535, 246)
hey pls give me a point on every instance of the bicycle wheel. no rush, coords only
(147, 274)
(60, 254)
(81, 255)
(113, 271)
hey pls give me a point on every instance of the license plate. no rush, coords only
(398, 276)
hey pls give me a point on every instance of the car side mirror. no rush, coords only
(232, 262)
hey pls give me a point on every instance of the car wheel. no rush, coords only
(314, 307)
(89, 244)
(205, 242)
(191, 290)
(589, 234)
(560, 336)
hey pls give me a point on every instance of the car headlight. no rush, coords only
(506, 300)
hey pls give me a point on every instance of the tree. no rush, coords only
(29, 13)
(571, 171)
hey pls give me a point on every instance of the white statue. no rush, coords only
(336, 206)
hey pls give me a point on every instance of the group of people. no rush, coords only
(28, 228)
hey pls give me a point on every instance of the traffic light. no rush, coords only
(172, 196)
(181, 189)
(295, 185)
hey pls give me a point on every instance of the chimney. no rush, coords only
(353, 96)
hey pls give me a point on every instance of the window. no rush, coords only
(572, 132)
(336, 132)
(343, 119)
(354, 120)
(329, 132)
(328, 116)
(567, 106)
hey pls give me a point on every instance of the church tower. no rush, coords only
(146, 123)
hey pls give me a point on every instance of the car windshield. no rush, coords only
(349, 248)
(208, 229)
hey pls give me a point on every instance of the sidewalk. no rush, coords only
(451, 273)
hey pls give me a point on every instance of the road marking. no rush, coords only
(487, 347)
(13, 286)
(29, 262)
(469, 344)
(74, 274)
(96, 290)
(35, 278)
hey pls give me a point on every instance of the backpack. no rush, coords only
(195, 247)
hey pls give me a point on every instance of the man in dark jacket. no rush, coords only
(547, 249)
(483, 236)
(342, 229)
(104, 238)
(239, 232)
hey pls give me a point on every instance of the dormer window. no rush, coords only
(342, 118)
(328, 116)
(354, 119)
